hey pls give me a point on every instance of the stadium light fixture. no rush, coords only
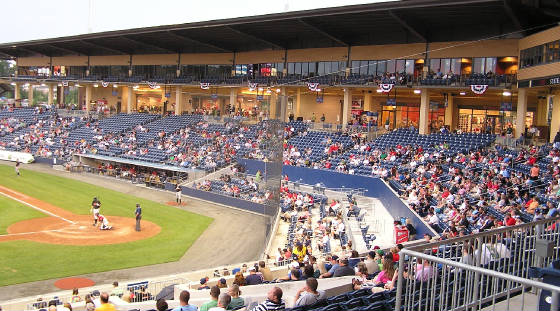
(506, 93)
(96, 85)
(462, 93)
(43, 84)
(379, 91)
(417, 91)
(115, 86)
(77, 85)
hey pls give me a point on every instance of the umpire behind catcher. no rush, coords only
(138, 214)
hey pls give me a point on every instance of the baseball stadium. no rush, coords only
(392, 155)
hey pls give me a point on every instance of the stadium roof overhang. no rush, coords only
(407, 21)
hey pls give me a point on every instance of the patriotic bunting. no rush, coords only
(386, 87)
(313, 87)
(479, 89)
(64, 83)
(153, 85)
(104, 84)
(204, 85)
(253, 86)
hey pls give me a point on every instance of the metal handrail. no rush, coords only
(555, 290)
(491, 232)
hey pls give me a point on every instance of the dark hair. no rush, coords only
(185, 296)
(104, 297)
(261, 264)
(215, 291)
(308, 271)
(296, 273)
(161, 304)
(312, 284)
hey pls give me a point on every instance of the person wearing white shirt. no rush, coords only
(223, 301)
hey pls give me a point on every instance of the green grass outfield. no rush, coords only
(24, 261)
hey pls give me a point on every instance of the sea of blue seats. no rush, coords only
(317, 142)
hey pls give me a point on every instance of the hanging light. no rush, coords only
(96, 85)
(115, 86)
(462, 93)
(417, 91)
(506, 93)
(379, 91)
(77, 85)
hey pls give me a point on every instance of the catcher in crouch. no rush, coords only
(104, 223)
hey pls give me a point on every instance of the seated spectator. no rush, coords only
(105, 304)
(214, 294)
(424, 271)
(388, 271)
(161, 305)
(236, 301)
(343, 269)
(334, 265)
(204, 283)
(253, 278)
(90, 306)
(75, 296)
(184, 298)
(308, 294)
(371, 264)
(239, 279)
(273, 302)
(222, 283)
(223, 302)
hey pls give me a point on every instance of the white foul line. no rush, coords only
(24, 233)
(37, 208)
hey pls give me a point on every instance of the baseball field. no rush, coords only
(46, 229)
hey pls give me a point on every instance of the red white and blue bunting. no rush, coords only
(64, 83)
(313, 87)
(479, 89)
(204, 85)
(153, 85)
(104, 84)
(386, 87)
(253, 86)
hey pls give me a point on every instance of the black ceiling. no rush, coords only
(407, 21)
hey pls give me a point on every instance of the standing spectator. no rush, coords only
(308, 294)
(105, 305)
(184, 298)
(223, 302)
(266, 273)
(138, 214)
(273, 302)
(236, 301)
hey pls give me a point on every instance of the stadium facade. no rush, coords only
(477, 66)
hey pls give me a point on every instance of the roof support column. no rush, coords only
(423, 124)
(233, 98)
(17, 93)
(130, 94)
(451, 113)
(555, 120)
(521, 112)
(30, 94)
(346, 102)
(178, 100)
(283, 104)
(60, 96)
(272, 105)
(298, 103)
(89, 90)
(50, 97)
